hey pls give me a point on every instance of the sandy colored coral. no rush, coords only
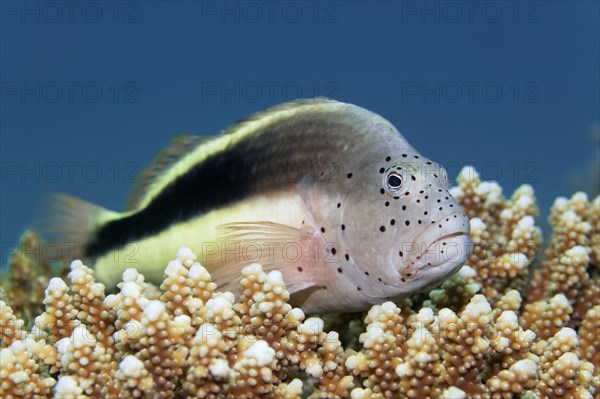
(11, 328)
(505, 237)
(487, 332)
(28, 274)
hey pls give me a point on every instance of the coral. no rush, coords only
(11, 328)
(27, 276)
(588, 336)
(19, 373)
(60, 317)
(490, 331)
(505, 237)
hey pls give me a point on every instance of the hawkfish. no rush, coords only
(327, 193)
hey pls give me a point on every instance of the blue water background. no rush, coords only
(91, 92)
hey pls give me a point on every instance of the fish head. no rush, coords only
(405, 231)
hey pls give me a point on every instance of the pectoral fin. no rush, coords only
(292, 251)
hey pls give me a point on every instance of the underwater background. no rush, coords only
(91, 91)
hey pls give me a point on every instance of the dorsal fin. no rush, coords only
(180, 146)
(183, 145)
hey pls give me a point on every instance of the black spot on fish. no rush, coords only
(333, 251)
(338, 204)
(401, 253)
(381, 170)
(388, 158)
(407, 222)
(404, 155)
(323, 287)
(379, 278)
(347, 257)
(403, 207)
(428, 163)
(322, 229)
(382, 191)
(349, 175)
(382, 229)
(416, 157)
(366, 273)
(425, 213)
(358, 289)
(413, 178)
(407, 193)
(392, 222)
(387, 203)
(402, 279)
(300, 269)
(343, 227)
(339, 269)
(419, 221)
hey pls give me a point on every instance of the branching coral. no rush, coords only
(186, 340)
(484, 333)
(27, 277)
(505, 237)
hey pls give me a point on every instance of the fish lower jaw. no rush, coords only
(439, 251)
(443, 258)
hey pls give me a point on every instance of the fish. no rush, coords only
(328, 193)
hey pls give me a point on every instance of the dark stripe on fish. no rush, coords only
(248, 167)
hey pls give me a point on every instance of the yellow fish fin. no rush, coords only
(180, 146)
(292, 251)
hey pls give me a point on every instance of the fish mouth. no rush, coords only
(442, 252)
(443, 257)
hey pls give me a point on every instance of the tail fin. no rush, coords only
(70, 223)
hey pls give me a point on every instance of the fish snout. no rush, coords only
(439, 250)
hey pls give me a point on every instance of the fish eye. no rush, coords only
(394, 182)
